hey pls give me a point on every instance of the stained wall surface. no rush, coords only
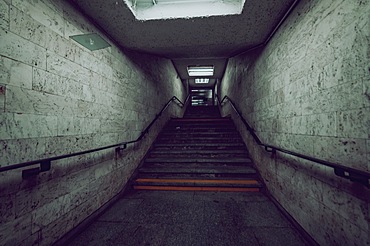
(308, 91)
(57, 97)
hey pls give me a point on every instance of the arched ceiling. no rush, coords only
(192, 39)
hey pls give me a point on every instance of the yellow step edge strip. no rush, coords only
(202, 181)
(175, 188)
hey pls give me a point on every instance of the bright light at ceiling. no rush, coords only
(168, 9)
(202, 81)
(200, 70)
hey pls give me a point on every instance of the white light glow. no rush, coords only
(169, 9)
(201, 81)
(201, 71)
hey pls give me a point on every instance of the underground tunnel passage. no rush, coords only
(121, 126)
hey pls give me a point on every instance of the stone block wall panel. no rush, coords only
(4, 15)
(56, 98)
(307, 91)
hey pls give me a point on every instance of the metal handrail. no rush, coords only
(352, 174)
(45, 164)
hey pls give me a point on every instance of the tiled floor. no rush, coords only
(191, 218)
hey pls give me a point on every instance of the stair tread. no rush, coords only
(196, 136)
(215, 189)
(198, 181)
(219, 176)
(201, 144)
(199, 160)
(219, 140)
(200, 131)
(203, 119)
(198, 170)
(210, 156)
(198, 184)
(199, 134)
(187, 151)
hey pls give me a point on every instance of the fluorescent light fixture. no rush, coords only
(91, 41)
(200, 71)
(201, 81)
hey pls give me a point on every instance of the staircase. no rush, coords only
(197, 153)
(200, 152)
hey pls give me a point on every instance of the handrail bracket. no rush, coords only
(44, 167)
(121, 147)
(354, 177)
(269, 149)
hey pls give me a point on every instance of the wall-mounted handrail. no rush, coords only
(45, 164)
(352, 174)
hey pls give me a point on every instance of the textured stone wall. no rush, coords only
(56, 97)
(308, 91)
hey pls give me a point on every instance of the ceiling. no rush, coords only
(189, 41)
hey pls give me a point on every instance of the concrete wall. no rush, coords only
(57, 97)
(308, 91)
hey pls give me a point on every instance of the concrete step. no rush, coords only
(169, 175)
(199, 160)
(178, 134)
(198, 155)
(172, 147)
(215, 136)
(205, 110)
(205, 128)
(199, 165)
(204, 119)
(197, 151)
(198, 130)
(200, 122)
(199, 170)
(199, 140)
(210, 189)
(201, 145)
(197, 184)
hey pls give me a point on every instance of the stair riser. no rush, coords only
(201, 124)
(211, 123)
(195, 185)
(220, 176)
(199, 141)
(201, 156)
(205, 129)
(202, 151)
(210, 189)
(198, 170)
(201, 145)
(200, 134)
(182, 147)
(246, 183)
(199, 131)
(198, 160)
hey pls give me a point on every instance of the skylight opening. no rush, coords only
(200, 71)
(170, 9)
